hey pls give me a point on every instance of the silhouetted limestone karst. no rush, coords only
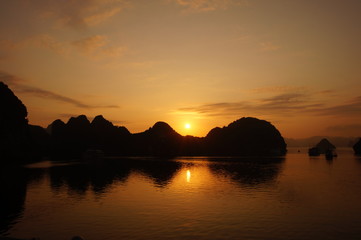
(109, 138)
(79, 135)
(159, 140)
(78, 126)
(13, 122)
(13, 112)
(56, 128)
(58, 137)
(18, 140)
(101, 124)
(357, 147)
(192, 146)
(38, 140)
(71, 138)
(246, 136)
(324, 145)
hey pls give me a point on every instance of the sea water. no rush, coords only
(294, 197)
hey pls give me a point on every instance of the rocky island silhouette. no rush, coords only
(357, 147)
(19, 140)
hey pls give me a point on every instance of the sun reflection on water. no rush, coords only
(188, 176)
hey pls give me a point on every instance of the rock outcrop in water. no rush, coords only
(357, 147)
(159, 140)
(321, 148)
(325, 145)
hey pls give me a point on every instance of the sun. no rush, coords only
(187, 126)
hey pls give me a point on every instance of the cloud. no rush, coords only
(273, 89)
(98, 18)
(208, 5)
(285, 104)
(269, 47)
(10, 79)
(345, 128)
(98, 46)
(18, 85)
(78, 13)
(282, 104)
(91, 44)
(49, 42)
(45, 41)
(349, 108)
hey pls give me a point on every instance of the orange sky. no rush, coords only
(296, 64)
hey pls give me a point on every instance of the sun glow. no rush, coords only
(187, 126)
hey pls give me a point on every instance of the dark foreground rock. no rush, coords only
(19, 141)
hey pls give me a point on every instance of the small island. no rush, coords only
(323, 147)
(357, 147)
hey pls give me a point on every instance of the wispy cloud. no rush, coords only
(78, 13)
(345, 128)
(285, 104)
(100, 17)
(282, 104)
(95, 47)
(44, 41)
(91, 44)
(269, 47)
(349, 108)
(208, 5)
(10, 79)
(98, 46)
(19, 86)
(278, 89)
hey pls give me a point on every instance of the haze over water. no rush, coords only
(296, 197)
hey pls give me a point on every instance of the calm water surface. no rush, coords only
(296, 197)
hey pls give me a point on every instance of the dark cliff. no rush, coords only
(18, 140)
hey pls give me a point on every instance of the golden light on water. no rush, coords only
(188, 176)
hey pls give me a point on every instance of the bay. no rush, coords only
(294, 197)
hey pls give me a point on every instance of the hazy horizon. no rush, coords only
(203, 63)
